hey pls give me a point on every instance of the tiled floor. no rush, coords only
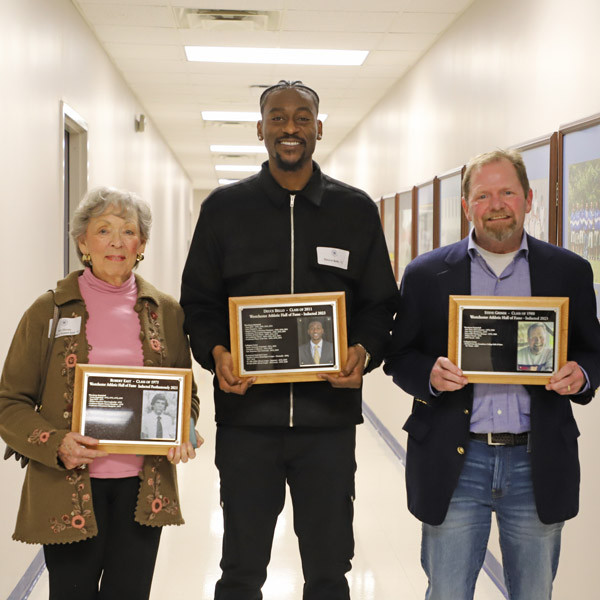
(386, 565)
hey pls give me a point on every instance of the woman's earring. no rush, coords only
(139, 258)
(86, 259)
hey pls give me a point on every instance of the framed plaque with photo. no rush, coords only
(287, 338)
(508, 339)
(133, 410)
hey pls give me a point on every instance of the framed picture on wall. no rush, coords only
(450, 208)
(389, 207)
(579, 191)
(541, 160)
(425, 217)
(404, 220)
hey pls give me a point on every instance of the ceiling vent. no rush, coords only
(227, 20)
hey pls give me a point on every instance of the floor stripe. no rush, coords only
(491, 565)
(26, 584)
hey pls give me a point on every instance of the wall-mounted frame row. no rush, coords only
(564, 176)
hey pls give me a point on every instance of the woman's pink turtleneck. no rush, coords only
(113, 332)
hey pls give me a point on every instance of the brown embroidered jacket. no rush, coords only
(56, 504)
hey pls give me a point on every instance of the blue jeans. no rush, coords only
(494, 478)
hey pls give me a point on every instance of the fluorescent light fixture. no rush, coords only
(238, 149)
(239, 116)
(238, 168)
(227, 181)
(276, 56)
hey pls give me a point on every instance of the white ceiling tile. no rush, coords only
(390, 58)
(123, 14)
(348, 22)
(232, 4)
(142, 65)
(337, 40)
(407, 42)
(137, 35)
(147, 52)
(410, 22)
(343, 6)
(441, 6)
(126, 2)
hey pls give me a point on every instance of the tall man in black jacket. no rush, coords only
(288, 229)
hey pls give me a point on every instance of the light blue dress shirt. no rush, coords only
(499, 407)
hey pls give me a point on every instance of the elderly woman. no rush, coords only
(112, 506)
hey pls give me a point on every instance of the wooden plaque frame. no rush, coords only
(275, 335)
(515, 309)
(103, 393)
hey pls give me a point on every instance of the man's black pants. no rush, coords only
(319, 466)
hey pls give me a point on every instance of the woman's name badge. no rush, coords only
(66, 326)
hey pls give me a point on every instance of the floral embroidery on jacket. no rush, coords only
(76, 518)
(155, 499)
(156, 342)
(69, 353)
(39, 436)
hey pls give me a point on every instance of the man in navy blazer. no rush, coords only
(474, 449)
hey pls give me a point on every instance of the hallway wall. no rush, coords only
(48, 54)
(504, 73)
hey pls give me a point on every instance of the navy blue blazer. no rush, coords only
(438, 427)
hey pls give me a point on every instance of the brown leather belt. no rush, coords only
(502, 439)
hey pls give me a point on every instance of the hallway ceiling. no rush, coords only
(145, 39)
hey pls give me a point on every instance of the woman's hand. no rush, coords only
(184, 452)
(74, 452)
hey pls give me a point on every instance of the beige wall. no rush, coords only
(506, 72)
(47, 54)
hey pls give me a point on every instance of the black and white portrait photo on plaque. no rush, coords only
(315, 345)
(159, 415)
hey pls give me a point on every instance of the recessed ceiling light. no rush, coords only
(239, 116)
(276, 56)
(238, 168)
(226, 181)
(238, 149)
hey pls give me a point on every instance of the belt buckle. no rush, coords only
(490, 443)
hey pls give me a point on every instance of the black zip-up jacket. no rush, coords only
(256, 238)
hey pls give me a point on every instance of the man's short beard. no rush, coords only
(500, 235)
(290, 167)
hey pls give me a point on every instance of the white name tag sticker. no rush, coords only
(66, 326)
(333, 257)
